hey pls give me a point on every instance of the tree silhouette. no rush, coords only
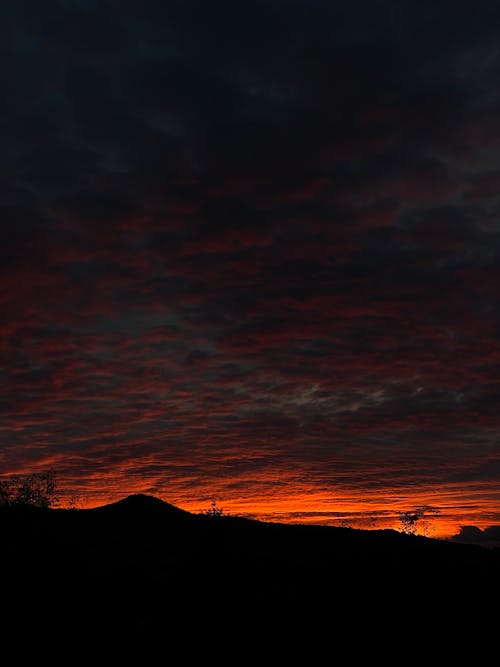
(214, 510)
(410, 519)
(35, 490)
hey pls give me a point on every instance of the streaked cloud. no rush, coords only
(252, 252)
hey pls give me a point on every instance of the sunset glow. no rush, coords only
(305, 504)
(252, 254)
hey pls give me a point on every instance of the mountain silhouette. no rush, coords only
(143, 504)
(140, 567)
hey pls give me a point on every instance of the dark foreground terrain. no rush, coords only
(143, 572)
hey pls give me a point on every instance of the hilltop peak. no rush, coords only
(142, 502)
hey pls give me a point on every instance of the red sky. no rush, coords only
(251, 254)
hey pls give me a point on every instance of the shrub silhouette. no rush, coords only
(35, 490)
(214, 510)
(409, 519)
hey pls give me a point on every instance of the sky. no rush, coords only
(250, 254)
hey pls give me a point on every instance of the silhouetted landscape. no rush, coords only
(250, 250)
(141, 569)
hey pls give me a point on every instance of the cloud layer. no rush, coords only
(251, 252)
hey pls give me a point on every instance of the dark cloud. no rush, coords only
(489, 536)
(250, 250)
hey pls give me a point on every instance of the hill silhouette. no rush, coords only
(140, 567)
(142, 504)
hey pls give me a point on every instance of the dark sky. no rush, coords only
(250, 252)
